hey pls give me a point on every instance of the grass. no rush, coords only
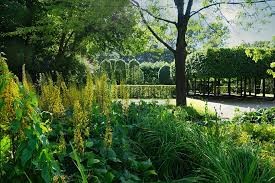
(181, 149)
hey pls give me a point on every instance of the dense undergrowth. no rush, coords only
(60, 132)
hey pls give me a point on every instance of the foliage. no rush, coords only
(47, 35)
(89, 137)
(23, 126)
(259, 54)
(150, 71)
(151, 91)
(106, 67)
(164, 75)
(260, 116)
(190, 152)
(226, 63)
(135, 74)
(120, 71)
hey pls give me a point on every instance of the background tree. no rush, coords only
(187, 9)
(47, 35)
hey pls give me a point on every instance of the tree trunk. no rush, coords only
(215, 86)
(250, 86)
(181, 53)
(229, 86)
(203, 88)
(264, 87)
(255, 86)
(245, 86)
(187, 87)
(208, 86)
(241, 87)
(237, 87)
(219, 87)
(180, 57)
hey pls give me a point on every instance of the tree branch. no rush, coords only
(229, 3)
(189, 7)
(135, 3)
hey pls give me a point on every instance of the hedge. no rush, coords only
(164, 75)
(150, 91)
(211, 63)
(227, 63)
(120, 68)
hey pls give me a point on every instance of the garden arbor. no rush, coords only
(185, 11)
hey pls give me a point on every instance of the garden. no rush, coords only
(81, 83)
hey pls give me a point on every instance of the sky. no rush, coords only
(238, 35)
(262, 32)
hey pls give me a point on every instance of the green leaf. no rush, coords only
(109, 177)
(18, 113)
(26, 155)
(92, 161)
(2, 103)
(46, 174)
(89, 144)
(15, 125)
(150, 172)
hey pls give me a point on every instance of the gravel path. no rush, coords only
(224, 107)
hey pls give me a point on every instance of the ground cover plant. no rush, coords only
(63, 132)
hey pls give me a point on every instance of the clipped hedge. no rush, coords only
(151, 70)
(150, 91)
(227, 63)
(106, 67)
(134, 73)
(120, 68)
(164, 75)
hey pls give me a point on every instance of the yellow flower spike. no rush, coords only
(78, 140)
(8, 95)
(26, 80)
(50, 99)
(88, 92)
(62, 143)
(108, 136)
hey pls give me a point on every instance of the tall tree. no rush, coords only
(49, 33)
(187, 9)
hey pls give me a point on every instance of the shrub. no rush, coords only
(164, 75)
(260, 116)
(106, 67)
(150, 71)
(24, 132)
(151, 91)
(120, 71)
(135, 74)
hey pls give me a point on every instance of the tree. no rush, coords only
(186, 13)
(47, 35)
